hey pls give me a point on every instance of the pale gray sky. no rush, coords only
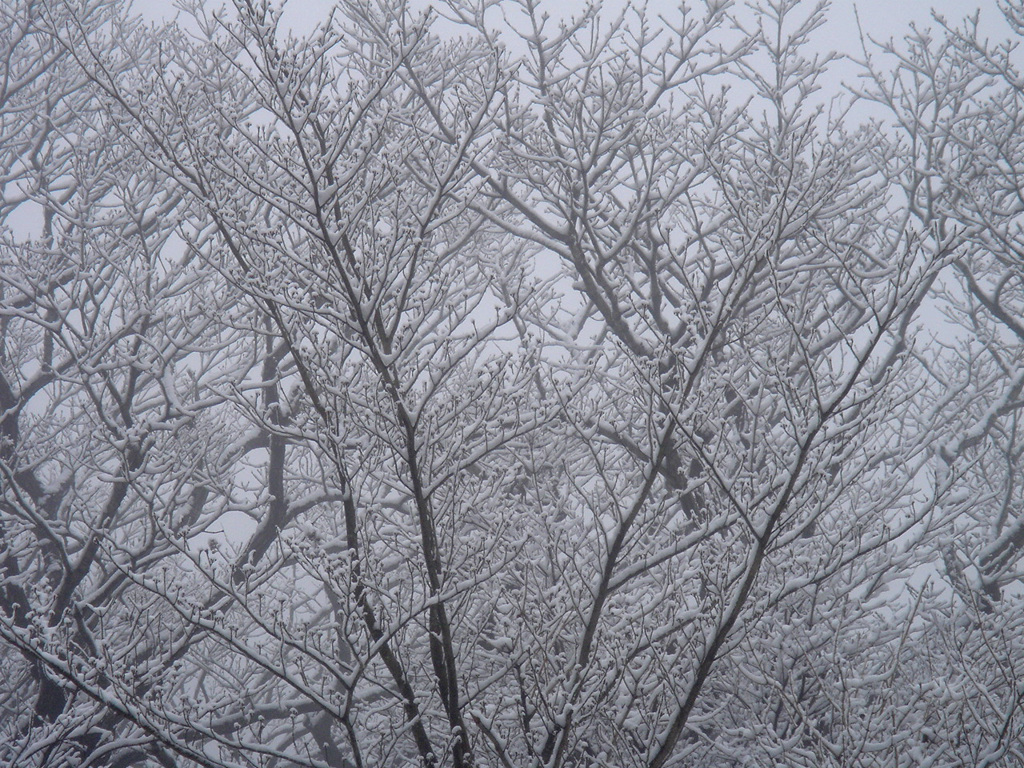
(879, 18)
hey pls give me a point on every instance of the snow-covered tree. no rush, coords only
(467, 388)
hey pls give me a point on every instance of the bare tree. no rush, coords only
(459, 388)
(123, 365)
(955, 99)
(745, 293)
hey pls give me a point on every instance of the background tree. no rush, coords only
(123, 365)
(955, 100)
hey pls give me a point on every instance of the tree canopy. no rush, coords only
(463, 386)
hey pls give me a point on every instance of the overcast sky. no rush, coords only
(879, 18)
